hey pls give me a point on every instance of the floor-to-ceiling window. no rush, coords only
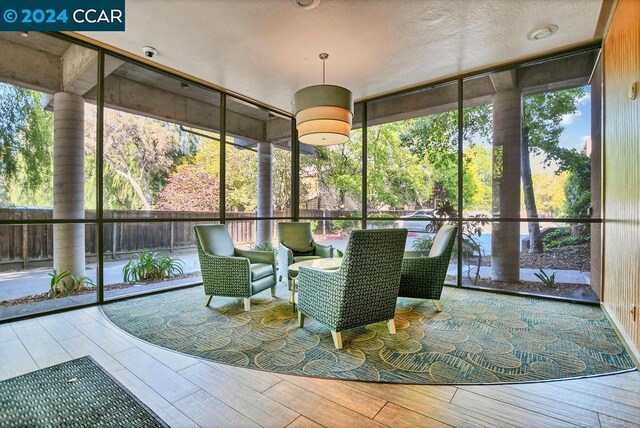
(531, 159)
(331, 187)
(48, 233)
(412, 164)
(97, 191)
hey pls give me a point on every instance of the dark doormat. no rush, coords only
(78, 393)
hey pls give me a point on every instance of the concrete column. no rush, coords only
(507, 134)
(264, 228)
(68, 182)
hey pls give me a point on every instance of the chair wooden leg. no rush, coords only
(247, 304)
(337, 339)
(438, 305)
(300, 319)
(273, 291)
(391, 325)
(207, 300)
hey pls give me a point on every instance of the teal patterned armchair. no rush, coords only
(296, 245)
(229, 271)
(423, 275)
(363, 291)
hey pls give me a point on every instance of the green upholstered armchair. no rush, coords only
(229, 271)
(423, 275)
(296, 245)
(363, 291)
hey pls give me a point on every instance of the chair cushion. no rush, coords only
(303, 258)
(307, 251)
(441, 241)
(295, 235)
(215, 239)
(260, 270)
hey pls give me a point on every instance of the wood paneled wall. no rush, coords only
(622, 170)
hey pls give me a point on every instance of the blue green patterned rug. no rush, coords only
(78, 393)
(479, 337)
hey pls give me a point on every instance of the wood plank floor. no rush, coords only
(189, 392)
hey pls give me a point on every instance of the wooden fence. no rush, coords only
(32, 244)
(22, 245)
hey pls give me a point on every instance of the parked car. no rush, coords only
(419, 221)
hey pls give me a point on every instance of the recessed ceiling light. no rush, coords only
(542, 33)
(24, 33)
(305, 4)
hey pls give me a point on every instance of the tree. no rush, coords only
(281, 168)
(434, 138)
(26, 141)
(139, 154)
(543, 115)
(337, 168)
(190, 188)
(396, 177)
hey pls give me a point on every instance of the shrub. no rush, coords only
(380, 224)
(149, 266)
(423, 243)
(561, 237)
(263, 246)
(63, 283)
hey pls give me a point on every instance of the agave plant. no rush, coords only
(147, 266)
(64, 282)
(548, 280)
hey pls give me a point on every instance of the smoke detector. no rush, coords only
(305, 4)
(542, 33)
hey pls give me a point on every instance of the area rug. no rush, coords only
(77, 393)
(479, 337)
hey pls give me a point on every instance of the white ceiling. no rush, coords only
(268, 49)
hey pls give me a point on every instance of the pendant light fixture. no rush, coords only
(324, 113)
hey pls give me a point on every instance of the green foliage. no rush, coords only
(562, 237)
(26, 147)
(147, 266)
(543, 114)
(577, 188)
(139, 155)
(396, 176)
(336, 168)
(263, 246)
(423, 243)
(434, 139)
(62, 283)
(548, 280)
(339, 252)
(380, 223)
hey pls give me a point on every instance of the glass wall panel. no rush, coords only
(412, 156)
(531, 150)
(161, 145)
(539, 126)
(47, 166)
(334, 232)
(28, 282)
(420, 240)
(331, 177)
(244, 233)
(258, 163)
(562, 270)
(143, 257)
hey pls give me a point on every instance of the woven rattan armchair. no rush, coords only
(363, 291)
(423, 274)
(229, 271)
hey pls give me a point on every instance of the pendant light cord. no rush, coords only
(323, 57)
(323, 71)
